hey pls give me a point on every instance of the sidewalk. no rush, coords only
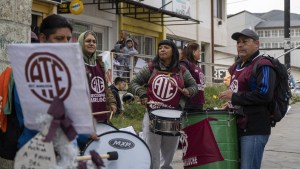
(283, 148)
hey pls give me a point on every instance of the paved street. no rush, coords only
(283, 148)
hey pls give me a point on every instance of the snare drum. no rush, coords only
(165, 122)
(133, 153)
(104, 127)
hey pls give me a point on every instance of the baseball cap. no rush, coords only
(246, 32)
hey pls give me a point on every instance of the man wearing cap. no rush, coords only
(251, 94)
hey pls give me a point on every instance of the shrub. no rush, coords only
(132, 116)
(211, 96)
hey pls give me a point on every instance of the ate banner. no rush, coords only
(199, 145)
(45, 71)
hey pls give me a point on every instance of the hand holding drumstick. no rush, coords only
(184, 91)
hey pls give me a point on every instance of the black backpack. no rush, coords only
(282, 94)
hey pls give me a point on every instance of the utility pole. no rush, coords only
(287, 38)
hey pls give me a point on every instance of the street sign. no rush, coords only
(63, 8)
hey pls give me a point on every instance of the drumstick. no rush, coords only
(113, 155)
(101, 112)
(169, 79)
(111, 114)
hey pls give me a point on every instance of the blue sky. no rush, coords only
(257, 6)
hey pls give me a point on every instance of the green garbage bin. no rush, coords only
(225, 132)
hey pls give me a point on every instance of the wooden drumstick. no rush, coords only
(101, 112)
(169, 79)
(111, 114)
(113, 155)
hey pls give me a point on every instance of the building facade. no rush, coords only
(210, 33)
(270, 28)
(148, 22)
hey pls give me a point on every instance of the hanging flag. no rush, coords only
(199, 145)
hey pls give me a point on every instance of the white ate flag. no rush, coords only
(44, 71)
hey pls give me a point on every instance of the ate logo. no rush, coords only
(234, 86)
(97, 84)
(164, 89)
(184, 142)
(47, 76)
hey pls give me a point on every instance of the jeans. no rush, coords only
(252, 149)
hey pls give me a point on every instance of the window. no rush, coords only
(293, 44)
(179, 42)
(99, 39)
(218, 11)
(274, 45)
(79, 28)
(268, 45)
(280, 44)
(281, 33)
(267, 33)
(203, 58)
(297, 32)
(292, 32)
(262, 45)
(145, 44)
(149, 42)
(274, 33)
(260, 33)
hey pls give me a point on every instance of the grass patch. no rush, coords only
(211, 96)
(132, 116)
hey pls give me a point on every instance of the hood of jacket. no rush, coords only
(131, 40)
(89, 59)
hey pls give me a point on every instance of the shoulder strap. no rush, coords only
(187, 64)
(261, 57)
(152, 69)
(181, 71)
(256, 64)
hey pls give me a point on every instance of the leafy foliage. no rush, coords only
(132, 115)
(211, 96)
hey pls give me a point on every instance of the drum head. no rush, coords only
(132, 151)
(104, 127)
(169, 113)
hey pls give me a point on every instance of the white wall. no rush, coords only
(236, 24)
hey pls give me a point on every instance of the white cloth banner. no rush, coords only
(44, 71)
(139, 65)
(107, 63)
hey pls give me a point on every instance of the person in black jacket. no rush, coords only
(119, 85)
(251, 94)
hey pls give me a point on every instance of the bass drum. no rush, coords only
(104, 127)
(133, 153)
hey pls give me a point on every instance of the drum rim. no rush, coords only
(163, 117)
(108, 125)
(204, 112)
(117, 131)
